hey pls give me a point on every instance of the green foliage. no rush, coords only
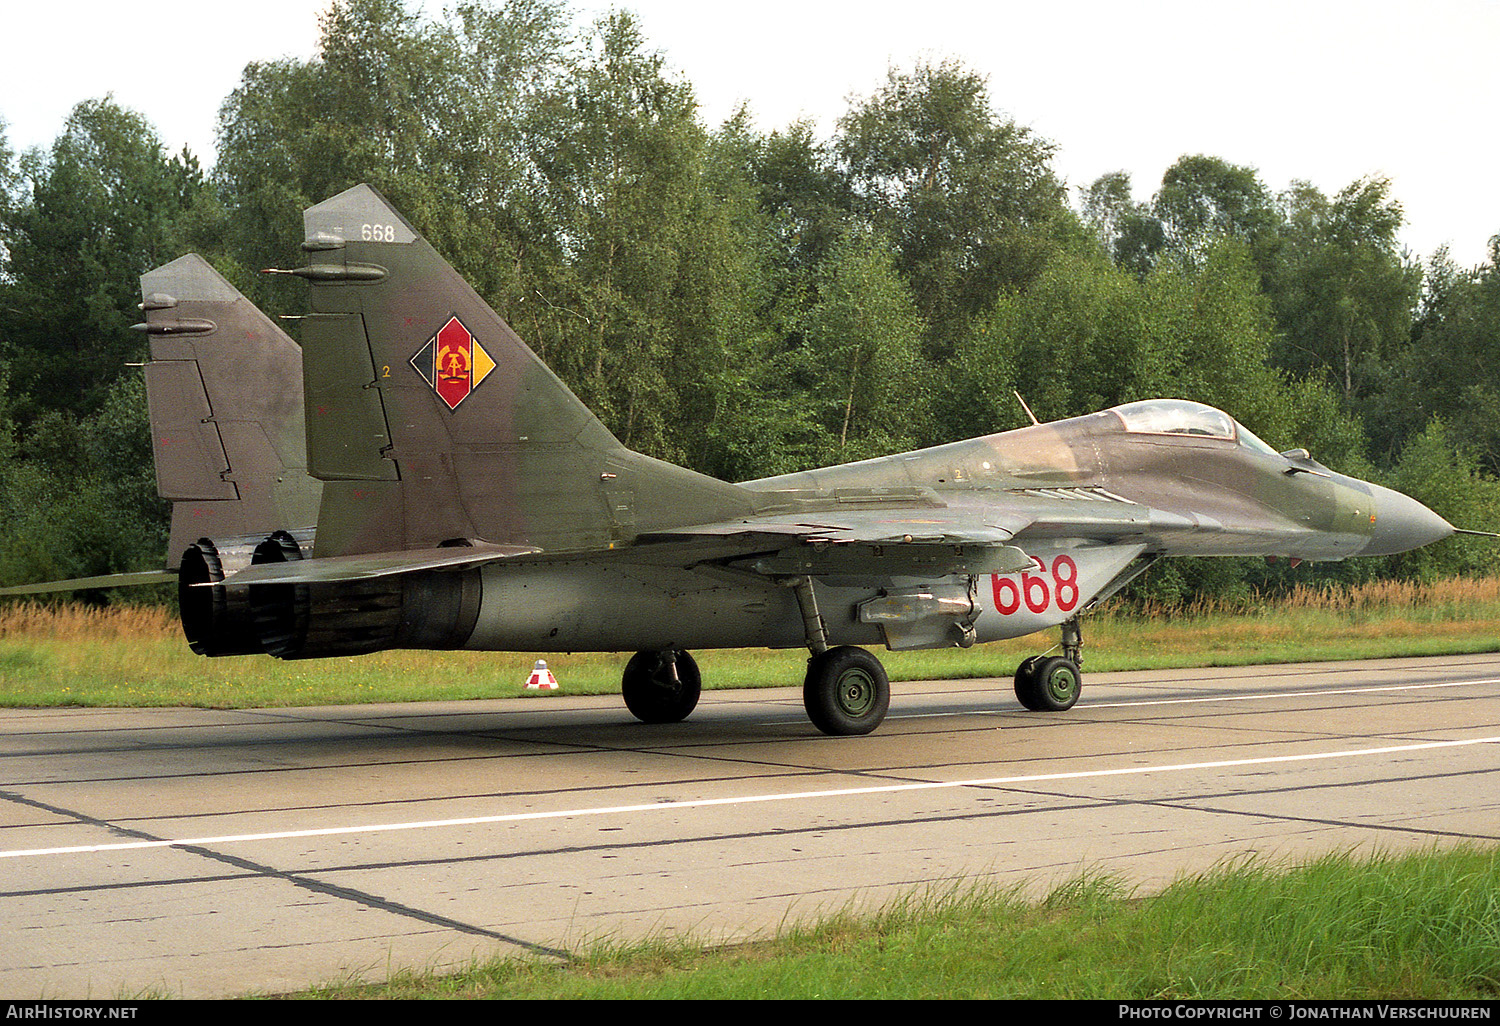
(622, 165)
(1129, 232)
(101, 208)
(860, 352)
(1204, 199)
(1343, 291)
(1449, 370)
(737, 414)
(1088, 335)
(435, 115)
(968, 197)
(9, 176)
(78, 499)
(1448, 481)
(806, 198)
(104, 205)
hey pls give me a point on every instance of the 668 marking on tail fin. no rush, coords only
(1039, 590)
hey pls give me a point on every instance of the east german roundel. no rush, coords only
(453, 363)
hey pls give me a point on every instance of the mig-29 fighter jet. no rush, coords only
(470, 500)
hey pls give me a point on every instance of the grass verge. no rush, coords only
(73, 655)
(1418, 926)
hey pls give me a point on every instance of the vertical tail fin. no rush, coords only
(431, 423)
(224, 388)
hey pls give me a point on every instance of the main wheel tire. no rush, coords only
(1024, 684)
(1048, 684)
(661, 687)
(846, 691)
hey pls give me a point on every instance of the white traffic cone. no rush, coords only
(541, 678)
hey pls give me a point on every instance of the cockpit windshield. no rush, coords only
(1175, 417)
(1182, 417)
(1249, 441)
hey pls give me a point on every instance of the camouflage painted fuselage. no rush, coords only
(1085, 497)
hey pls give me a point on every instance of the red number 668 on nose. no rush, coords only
(1036, 590)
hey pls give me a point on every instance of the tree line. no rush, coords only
(742, 302)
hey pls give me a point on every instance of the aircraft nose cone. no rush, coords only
(1402, 523)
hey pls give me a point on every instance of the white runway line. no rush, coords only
(1203, 699)
(699, 803)
(1368, 690)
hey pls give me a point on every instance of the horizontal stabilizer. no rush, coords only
(365, 566)
(130, 580)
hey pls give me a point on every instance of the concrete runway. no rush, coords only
(202, 853)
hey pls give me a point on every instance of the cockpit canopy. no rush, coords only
(1182, 417)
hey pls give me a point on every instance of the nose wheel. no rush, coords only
(1052, 683)
(1048, 683)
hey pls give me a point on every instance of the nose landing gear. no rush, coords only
(1052, 683)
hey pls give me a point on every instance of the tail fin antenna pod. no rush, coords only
(431, 423)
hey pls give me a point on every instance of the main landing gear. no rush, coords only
(661, 687)
(1052, 683)
(846, 691)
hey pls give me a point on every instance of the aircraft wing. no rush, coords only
(981, 519)
(899, 542)
(982, 533)
(928, 540)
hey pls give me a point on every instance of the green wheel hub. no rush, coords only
(857, 693)
(846, 691)
(1062, 685)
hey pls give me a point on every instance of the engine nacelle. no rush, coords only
(427, 610)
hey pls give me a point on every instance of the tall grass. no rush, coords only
(1453, 598)
(75, 622)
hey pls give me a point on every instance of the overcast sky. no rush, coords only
(1324, 90)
